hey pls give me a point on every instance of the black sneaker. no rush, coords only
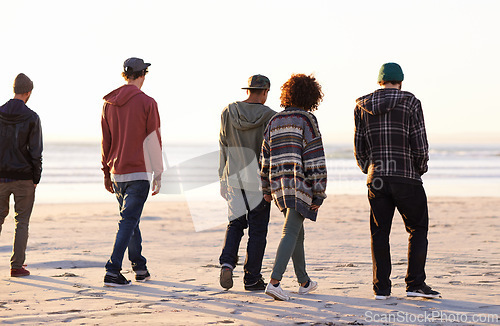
(259, 286)
(142, 276)
(113, 280)
(423, 292)
(226, 277)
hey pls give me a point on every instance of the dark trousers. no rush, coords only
(411, 202)
(257, 223)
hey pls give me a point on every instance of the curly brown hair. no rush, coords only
(301, 91)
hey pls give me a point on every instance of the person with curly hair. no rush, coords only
(293, 173)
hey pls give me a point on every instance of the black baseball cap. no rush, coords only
(135, 64)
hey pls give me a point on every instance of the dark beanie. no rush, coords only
(22, 84)
(390, 72)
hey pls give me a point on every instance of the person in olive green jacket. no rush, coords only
(242, 129)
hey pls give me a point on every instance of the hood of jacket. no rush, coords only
(381, 101)
(120, 96)
(245, 116)
(14, 111)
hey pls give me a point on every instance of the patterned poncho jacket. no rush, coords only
(390, 138)
(293, 167)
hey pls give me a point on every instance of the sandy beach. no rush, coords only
(70, 243)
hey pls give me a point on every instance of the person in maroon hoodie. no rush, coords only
(131, 159)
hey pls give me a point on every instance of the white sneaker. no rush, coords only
(276, 292)
(381, 297)
(312, 286)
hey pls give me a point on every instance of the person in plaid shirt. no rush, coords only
(390, 146)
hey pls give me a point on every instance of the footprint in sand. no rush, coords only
(221, 322)
(455, 282)
(126, 302)
(63, 312)
(491, 306)
(65, 275)
(90, 293)
(347, 265)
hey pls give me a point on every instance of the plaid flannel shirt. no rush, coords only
(390, 138)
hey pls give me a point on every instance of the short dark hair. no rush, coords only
(301, 91)
(129, 74)
(256, 91)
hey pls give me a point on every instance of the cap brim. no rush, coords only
(145, 66)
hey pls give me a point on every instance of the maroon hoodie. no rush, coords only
(129, 116)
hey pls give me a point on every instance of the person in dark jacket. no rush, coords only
(20, 166)
(391, 146)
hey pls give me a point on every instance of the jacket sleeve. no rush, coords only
(418, 140)
(222, 147)
(264, 162)
(105, 142)
(152, 143)
(361, 152)
(313, 158)
(35, 149)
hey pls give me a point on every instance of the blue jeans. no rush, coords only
(257, 222)
(131, 197)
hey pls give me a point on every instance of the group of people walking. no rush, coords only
(390, 146)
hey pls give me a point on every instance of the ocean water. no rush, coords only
(71, 172)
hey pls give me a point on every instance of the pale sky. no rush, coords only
(202, 53)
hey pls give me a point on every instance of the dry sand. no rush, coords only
(70, 243)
